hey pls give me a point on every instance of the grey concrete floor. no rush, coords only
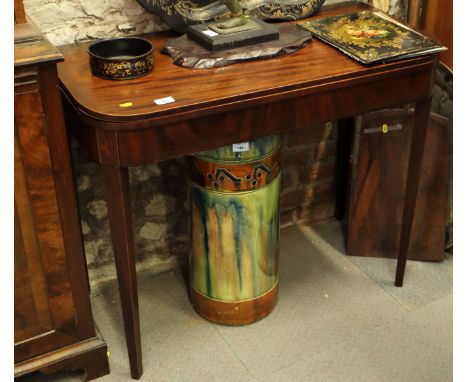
(338, 318)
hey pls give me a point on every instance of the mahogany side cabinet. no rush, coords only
(53, 322)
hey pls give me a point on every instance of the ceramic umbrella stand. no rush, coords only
(234, 226)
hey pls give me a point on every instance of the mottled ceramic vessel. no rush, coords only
(234, 226)
(121, 58)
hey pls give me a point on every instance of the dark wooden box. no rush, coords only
(378, 186)
(54, 328)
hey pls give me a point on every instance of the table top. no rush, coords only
(208, 90)
(31, 48)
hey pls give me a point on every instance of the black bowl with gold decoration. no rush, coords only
(121, 58)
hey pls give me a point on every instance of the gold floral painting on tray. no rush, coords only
(371, 37)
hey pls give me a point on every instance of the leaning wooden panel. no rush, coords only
(378, 188)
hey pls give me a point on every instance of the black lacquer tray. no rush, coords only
(371, 37)
(121, 58)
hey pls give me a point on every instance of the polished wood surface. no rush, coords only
(43, 252)
(52, 306)
(234, 313)
(437, 20)
(116, 185)
(27, 33)
(33, 52)
(414, 12)
(231, 104)
(378, 188)
(20, 16)
(216, 107)
(418, 140)
(88, 355)
(203, 92)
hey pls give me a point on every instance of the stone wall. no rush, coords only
(67, 21)
(158, 191)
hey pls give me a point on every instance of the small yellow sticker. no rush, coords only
(384, 128)
(108, 354)
(126, 104)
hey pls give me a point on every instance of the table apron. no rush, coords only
(153, 141)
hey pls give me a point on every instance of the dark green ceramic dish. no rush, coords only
(121, 58)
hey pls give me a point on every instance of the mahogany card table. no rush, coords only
(120, 125)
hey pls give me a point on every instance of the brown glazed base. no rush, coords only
(234, 313)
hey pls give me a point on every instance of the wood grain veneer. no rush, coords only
(378, 187)
(54, 326)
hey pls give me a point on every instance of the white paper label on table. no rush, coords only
(163, 101)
